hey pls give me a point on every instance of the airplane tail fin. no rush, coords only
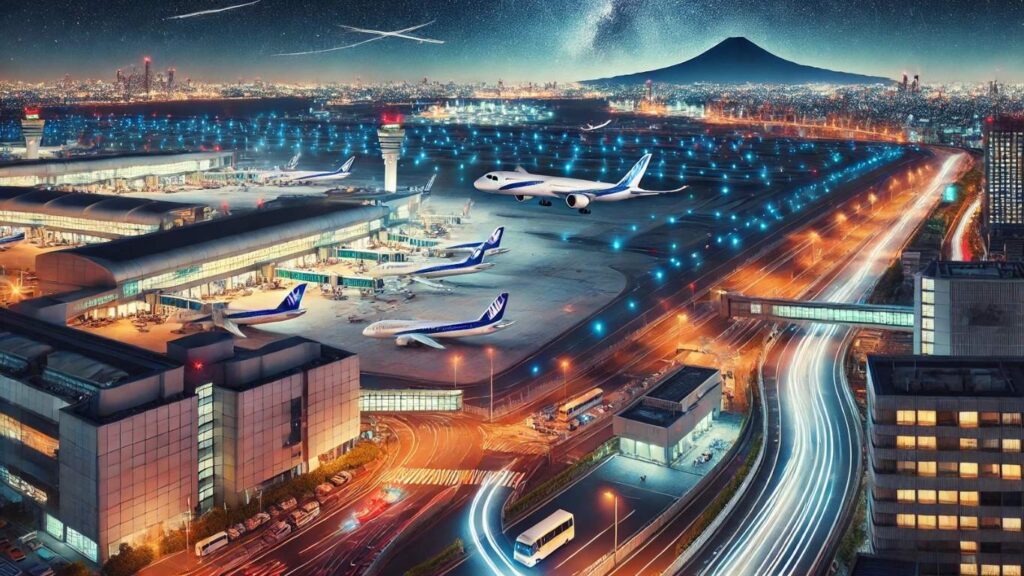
(347, 166)
(430, 183)
(496, 310)
(294, 161)
(475, 258)
(494, 240)
(636, 173)
(293, 299)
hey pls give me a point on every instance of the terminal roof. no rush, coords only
(682, 383)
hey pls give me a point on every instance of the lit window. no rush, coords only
(926, 469)
(928, 283)
(968, 570)
(968, 469)
(928, 310)
(906, 417)
(969, 498)
(926, 496)
(968, 547)
(906, 520)
(968, 443)
(968, 419)
(1011, 570)
(1011, 419)
(926, 417)
(1011, 445)
(1011, 524)
(989, 570)
(926, 522)
(906, 442)
(947, 523)
(905, 496)
(968, 522)
(926, 443)
(947, 497)
(928, 297)
(1011, 471)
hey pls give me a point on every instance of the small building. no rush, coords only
(658, 426)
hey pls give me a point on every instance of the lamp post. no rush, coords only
(680, 318)
(814, 240)
(565, 379)
(872, 199)
(490, 356)
(455, 371)
(615, 504)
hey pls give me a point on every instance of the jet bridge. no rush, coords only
(885, 317)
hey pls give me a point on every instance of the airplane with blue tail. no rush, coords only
(227, 319)
(492, 246)
(420, 272)
(425, 332)
(577, 193)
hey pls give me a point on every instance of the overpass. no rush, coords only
(885, 317)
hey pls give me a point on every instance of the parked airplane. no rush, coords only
(492, 246)
(277, 172)
(409, 332)
(577, 193)
(15, 237)
(308, 177)
(420, 272)
(230, 320)
(590, 127)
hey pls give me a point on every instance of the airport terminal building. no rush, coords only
(658, 426)
(121, 171)
(131, 273)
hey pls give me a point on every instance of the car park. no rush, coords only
(341, 478)
(277, 531)
(256, 521)
(236, 531)
(287, 504)
(15, 553)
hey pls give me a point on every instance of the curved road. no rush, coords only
(788, 523)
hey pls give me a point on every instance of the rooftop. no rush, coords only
(90, 206)
(84, 163)
(946, 376)
(681, 384)
(975, 270)
(652, 415)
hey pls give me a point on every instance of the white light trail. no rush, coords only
(396, 33)
(959, 234)
(211, 11)
(787, 527)
(488, 545)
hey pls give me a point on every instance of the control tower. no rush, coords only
(391, 135)
(32, 130)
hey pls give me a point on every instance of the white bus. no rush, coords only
(548, 535)
(211, 544)
(580, 404)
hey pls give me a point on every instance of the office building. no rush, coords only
(266, 414)
(391, 135)
(658, 426)
(944, 463)
(969, 309)
(1003, 206)
(97, 436)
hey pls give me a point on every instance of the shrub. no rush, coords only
(128, 561)
(442, 559)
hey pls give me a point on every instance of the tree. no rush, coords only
(128, 561)
(74, 569)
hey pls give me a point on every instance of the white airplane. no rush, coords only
(230, 320)
(590, 127)
(491, 246)
(307, 177)
(577, 193)
(409, 332)
(420, 272)
(396, 33)
(277, 172)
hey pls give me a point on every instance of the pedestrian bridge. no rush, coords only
(886, 317)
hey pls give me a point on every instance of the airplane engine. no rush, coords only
(520, 198)
(577, 201)
(405, 341)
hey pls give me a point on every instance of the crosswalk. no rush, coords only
(513, 445)
(447, 477)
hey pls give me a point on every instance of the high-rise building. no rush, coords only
(969, 309)
(391, 135)
(148, 79)
(170, 79)
(32, 131)
(1003, 206)
(944, 463)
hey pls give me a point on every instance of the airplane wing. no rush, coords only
(425, 340)
(231, 327)
(657, 192)
(430, 283)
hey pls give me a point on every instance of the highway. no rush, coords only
(789, 522)
(960, 244)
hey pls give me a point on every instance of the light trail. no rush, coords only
(488, 545)
(960, 250)
(800, 505)
(211, 11)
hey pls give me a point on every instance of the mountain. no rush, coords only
(739, 61)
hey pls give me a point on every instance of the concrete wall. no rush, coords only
(332, 413)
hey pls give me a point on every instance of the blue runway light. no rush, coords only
(598, 327)
(616, 244)
(535, 370)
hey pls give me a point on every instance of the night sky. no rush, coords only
(515, 40)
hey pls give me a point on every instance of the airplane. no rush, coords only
(395, 33)
(577, 193)
(230, 320)
(276, 172)
(590, 127)
(420, 272)
(411, 332)
(15, 237)
(308, 177)
(492, 246)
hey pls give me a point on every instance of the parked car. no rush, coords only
(287, 504)
(15, 553)
(40, 570)
(341, 478)
(236, 531)
(277, 531)
(256, 521)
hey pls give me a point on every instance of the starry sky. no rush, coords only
(516, 40)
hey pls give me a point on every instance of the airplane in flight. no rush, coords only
(590, 127)
(421, 272)
(492, 246)
(577, 193)
(412, 332)
(225, 318)
(395, 33)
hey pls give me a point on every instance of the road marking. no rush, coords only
(449, 477)
(591, 541)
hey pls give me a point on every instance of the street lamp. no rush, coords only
(565, 379)
(615, 503)
(490, 356)
(872, 199)
(455, 371)
(814, 238)
(680, 318)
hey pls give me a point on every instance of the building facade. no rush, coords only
(944, 453)
(970, 309)
(657, 427)
(1003, 206)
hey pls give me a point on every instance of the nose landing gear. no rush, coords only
(545, 202)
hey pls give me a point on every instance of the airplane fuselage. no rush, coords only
(396, 328)
(521, 184)
(246, 317)
(428, 271)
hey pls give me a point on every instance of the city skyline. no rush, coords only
(514, 41)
